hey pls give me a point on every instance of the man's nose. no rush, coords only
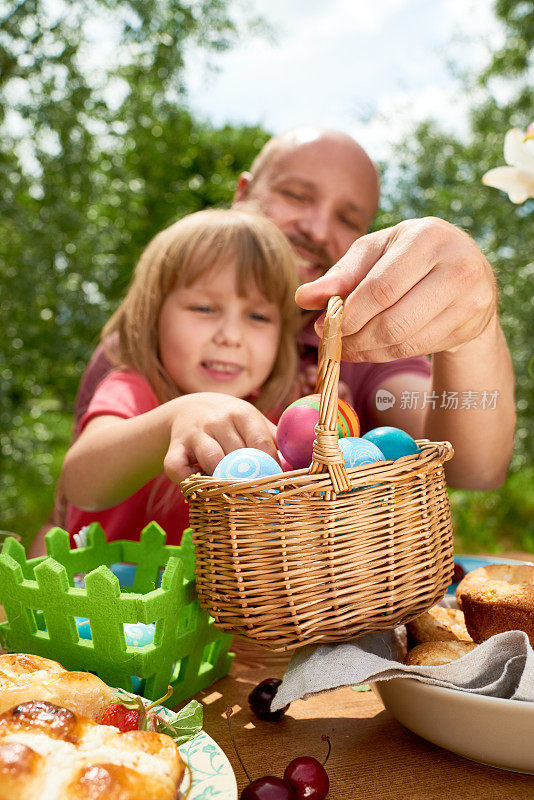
(316, 223)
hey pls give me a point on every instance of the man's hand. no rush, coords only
(420, 287)
(208, 426)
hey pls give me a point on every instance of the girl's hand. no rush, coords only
(207, 426)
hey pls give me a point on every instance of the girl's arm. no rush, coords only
(113, 457)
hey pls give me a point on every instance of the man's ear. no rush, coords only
(243, 186)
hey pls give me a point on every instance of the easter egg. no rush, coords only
(137, 634)
(247, 463)
(357, 452)
(286, 466)
(393, 442)
(296, 429)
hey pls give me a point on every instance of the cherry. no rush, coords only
(304, 778)
(268, 788)
(459, 572)
(308, 778)
(261, 697)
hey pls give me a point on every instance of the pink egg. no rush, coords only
(286, 466)
(296, 433)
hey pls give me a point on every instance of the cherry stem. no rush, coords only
(228, 713)
(161, 699)
(326, 738)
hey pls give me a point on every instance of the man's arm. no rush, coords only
(477, 416)
(425, 287)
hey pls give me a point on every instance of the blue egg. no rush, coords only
(136, 634)
(247, 463)
(393, 442)
(357, 451)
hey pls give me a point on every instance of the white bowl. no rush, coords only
(490, 730)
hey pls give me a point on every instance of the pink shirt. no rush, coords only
(128, 394)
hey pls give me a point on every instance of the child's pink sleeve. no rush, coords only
(123, 394)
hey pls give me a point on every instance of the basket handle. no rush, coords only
(327, 456)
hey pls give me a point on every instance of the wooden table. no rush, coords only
(373, 756)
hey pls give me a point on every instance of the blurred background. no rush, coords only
(119, 116)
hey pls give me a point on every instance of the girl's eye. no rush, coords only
(203, 309)
(257, 317)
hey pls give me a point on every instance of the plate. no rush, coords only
(213, 776)
(490, 730)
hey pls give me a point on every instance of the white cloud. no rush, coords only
(333, 63)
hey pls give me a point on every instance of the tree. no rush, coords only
(94, 160)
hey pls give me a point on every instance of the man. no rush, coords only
(420, 287)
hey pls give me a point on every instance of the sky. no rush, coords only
(368, 67)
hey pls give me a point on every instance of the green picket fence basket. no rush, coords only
(42, 603)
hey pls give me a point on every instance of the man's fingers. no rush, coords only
(393, 276)
(404, 319)
(342, 278)
(444, 332)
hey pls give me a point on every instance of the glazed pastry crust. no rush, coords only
(50, 753)
(498, 598)
(28, 677)
(436, 654)
(439, 624)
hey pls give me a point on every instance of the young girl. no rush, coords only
(204, 342)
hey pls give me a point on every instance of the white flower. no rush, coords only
(517, 180)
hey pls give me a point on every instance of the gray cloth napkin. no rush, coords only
(503, 666)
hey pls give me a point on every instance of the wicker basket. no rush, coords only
(299, 558)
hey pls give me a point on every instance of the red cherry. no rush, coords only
(459, 572)
(268, 788)
(308, 778)
(261, 697)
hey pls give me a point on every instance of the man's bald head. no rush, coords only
(297, 137)
(320, 187)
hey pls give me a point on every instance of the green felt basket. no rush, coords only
(41, 602)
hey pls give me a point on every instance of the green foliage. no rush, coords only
(486, 522)
(435, 173)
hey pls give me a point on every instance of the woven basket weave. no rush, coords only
(299, 558)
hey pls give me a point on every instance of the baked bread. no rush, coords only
(498, 598)
(439, 624)
(435, 654)
(51, 753)
(27, 677)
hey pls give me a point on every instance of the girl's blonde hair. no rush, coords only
(188, 250)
